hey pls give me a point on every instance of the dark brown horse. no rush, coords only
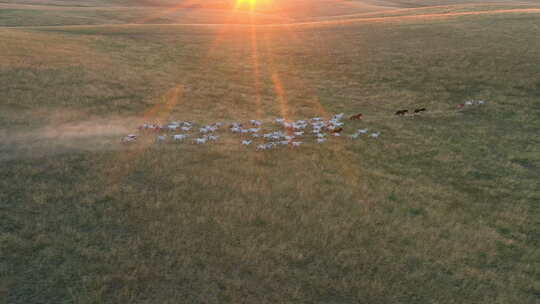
(356, 117)
(402, 112)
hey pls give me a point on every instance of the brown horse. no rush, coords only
(402, 112)
(356, 117)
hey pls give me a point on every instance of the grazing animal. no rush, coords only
(480, 102)
(179, 137)
(337, 131)
(296, 143)
(460, 106)
(129, 138)
(336, 123)
(468, 103)
(321, 140)
(362, 131)
(416, 111)
(161, 138)
(200, 141)
(301, 124)
(151, 127)
(246, 142)
(356, 117)
(375, 135)
(300, 133)
(402, 112)
(265, 146)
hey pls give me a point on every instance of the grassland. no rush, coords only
(443, 208)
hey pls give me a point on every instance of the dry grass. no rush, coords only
(443, 208)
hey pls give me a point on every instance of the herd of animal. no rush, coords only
(290, 134)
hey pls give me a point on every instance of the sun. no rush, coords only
(252, 4)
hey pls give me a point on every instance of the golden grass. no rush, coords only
(31, 49)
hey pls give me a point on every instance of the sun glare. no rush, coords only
(252, 4)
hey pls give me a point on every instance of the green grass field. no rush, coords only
(442, 208)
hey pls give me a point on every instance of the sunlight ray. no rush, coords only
(312, 97)
(281, 97)
(256, 72)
